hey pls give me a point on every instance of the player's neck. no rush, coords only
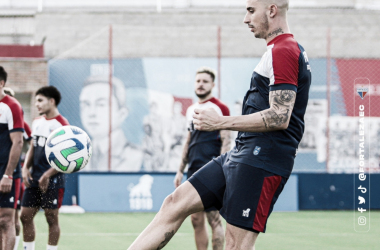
(277, 30)
(205, 99)
(52, 113)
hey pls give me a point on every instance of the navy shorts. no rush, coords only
(52, 199)
(9, 200)
(245, 195)
(190, 173)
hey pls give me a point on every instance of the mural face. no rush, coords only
(94, 110)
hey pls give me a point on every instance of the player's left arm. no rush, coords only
(276, 117)
(43, 182)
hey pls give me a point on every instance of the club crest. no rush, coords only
(362, 92)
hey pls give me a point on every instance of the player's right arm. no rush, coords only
(182, 166)
(26, 175)
(14, 157)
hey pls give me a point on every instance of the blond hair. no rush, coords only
(207, 70)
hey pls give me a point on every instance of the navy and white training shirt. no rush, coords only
(41, 129)
(284, 66)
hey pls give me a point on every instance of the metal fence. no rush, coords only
(145, 100)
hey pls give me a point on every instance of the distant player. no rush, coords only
(27, 137)
(246, 182)
(44, 185)
(200, 148)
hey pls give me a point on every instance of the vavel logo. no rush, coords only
(140, 196)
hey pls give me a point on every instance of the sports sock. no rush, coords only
(29, 245)
(52, 247)
(16, 243)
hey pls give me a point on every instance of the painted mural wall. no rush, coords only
(150, 97)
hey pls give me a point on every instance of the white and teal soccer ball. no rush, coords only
(68, 149)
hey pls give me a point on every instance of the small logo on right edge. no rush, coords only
(246, 212)
(362, 92)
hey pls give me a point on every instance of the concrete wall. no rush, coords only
(186, 32)
(354, 33)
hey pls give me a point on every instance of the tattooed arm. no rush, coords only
(182, 166)
(277, 117)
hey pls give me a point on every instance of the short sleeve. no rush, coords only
(16, 119)
(285, 61)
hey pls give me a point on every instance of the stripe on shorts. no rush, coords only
(268, 190)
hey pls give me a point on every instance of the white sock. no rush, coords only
(16, 243)
(52, 247)
(29, 245)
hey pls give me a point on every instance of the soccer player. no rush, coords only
(246, 182)
(27, 137)
(11, 130)
(44, 185)
(200, 148)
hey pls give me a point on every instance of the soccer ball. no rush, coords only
(68, 149)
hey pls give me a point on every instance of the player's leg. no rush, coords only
(17, 216)
(51, 202)
(184, 201)
(215, 221)
(200, 230)
(248, 201)
(7, 228)
(53, 223)
(18, 229)
(239, 239)
(27, 220)
(190, 197)
(30, 204)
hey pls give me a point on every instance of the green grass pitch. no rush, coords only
(306, 230)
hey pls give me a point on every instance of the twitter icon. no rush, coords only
(361, 200)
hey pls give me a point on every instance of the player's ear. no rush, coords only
(51, 101)
(272, 10)
(2, 83)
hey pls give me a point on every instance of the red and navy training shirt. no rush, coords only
(11, 120)
(284, 66)
(204, 145)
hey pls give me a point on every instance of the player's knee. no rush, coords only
(171, 201)
(51, 219)
(197, 221)
(5, 221)
(231, 244)
(215, 222)
(25, 218)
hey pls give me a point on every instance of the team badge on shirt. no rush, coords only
(256, 151)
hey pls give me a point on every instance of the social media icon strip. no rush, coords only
(362, 221)
(361, 200)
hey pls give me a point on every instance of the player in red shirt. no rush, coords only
(200, 148)
(27, 137)
(11, 133)
(246, 182)
(44, 185)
